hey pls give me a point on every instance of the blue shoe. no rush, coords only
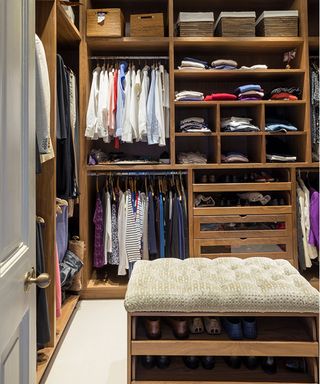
(232, 326)
(249, 327)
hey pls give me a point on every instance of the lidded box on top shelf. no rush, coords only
(105, 22)
(235, 24)
(278, 23)
(195, 24)
(147, 25)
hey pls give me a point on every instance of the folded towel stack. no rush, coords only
(238, 124)
(189, 63)
(279, 125)
(284, 93)
(192, 158)
(249, 92)
(194, 124)
(224, 64)
(234, 157)
(256, 66)
(189, 96)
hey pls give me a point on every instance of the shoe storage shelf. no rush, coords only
(279, 335)
(226, 223)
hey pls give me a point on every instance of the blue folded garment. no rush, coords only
(278, 125)
(226, 67)
(195, 60)
(248, 87)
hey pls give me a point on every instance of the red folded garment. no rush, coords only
(208, 98)
(223, 96)
(283, 96)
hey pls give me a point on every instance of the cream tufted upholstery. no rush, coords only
(224, 284)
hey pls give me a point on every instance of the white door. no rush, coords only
(17, 192)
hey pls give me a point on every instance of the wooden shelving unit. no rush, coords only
(247, 51)
(67, 33)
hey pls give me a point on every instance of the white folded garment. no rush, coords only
(189, 93)
(256, 66)
(235, 121)
(191, 69)
(281, 158)
(192, 119)
(185, 63)
(185, 17)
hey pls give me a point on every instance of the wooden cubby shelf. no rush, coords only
(221, 74)
(128, 44)
(67, 33)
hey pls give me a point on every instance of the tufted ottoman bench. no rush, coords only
(284, 304)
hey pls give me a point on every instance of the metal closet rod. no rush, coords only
(137, 173)
(129, 57)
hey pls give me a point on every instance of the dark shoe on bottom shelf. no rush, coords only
(163, 362)
(269, 365)
(232, 326)
(251, 362)
(233, 361)
(179, 327)
(297, 364)
(208, 362)
(191, 362)
(249, 327)
(148, 362)
(152, 326)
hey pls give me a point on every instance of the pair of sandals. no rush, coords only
(198, 325)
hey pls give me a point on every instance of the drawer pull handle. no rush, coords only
(243, 238)
(146, 17)
(243, 215)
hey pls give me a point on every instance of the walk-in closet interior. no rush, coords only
(169, 139)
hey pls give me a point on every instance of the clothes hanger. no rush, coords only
(97, 184)
(62, 202)
(40, 220)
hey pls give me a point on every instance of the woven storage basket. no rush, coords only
(147, 25)
(235, 24)
(111, 23)
(278, 23)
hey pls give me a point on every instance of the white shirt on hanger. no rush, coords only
(159, 111)
(102, 114)
(126, 127)
(142, 117)
(133, 106)
(92, 110)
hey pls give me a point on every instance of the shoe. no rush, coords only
(233, 361)
(281, 201)
(153, 327)
(208, 362)
(163, 362)
(238, 203)
(179, 327)
(212, 325)
(228, 179)
(269, 365)
(191, 362)
(212, 178)
(251, 362)
(204, 179)
(228, 203)
(297, 364)
(274, 202)
(148, 362)
(196, 325)
(235, 179)
(232, 326)
(249, 327)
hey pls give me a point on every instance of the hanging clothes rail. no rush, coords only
(129, 57)
(138, 173)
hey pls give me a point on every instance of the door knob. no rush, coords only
(42, 281)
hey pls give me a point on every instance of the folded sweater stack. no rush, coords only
(192, 158)
(285, 93)
(234, 157)
(279, 125)
(194, 124)
(249, 92)
(190, 63)
(238, 124)
(224, 64)
(189, 96)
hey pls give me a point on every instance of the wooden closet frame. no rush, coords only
(95, 289)
(56, 32)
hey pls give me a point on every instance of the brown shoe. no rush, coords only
(152, 326)
(179, 327)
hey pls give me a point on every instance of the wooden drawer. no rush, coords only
(111, 26)
(221, 211)
(240, 226)
(273, 247)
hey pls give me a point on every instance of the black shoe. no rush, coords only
(192, 362)
(163, 362)
(148, 362)
(251, 362)
(208, 362)
(269, 365)
(281, 201)
(297, 364)
(233, 361)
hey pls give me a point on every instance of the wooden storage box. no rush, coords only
(106, 22)
(235, 24)
(195, 24)
(278, 23)
(147, 25)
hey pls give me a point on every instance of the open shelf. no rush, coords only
(203, 104)
(313, 43)
(237, 73)
(129, 44)
(178, 372)
(67, 32)
(66, 312)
